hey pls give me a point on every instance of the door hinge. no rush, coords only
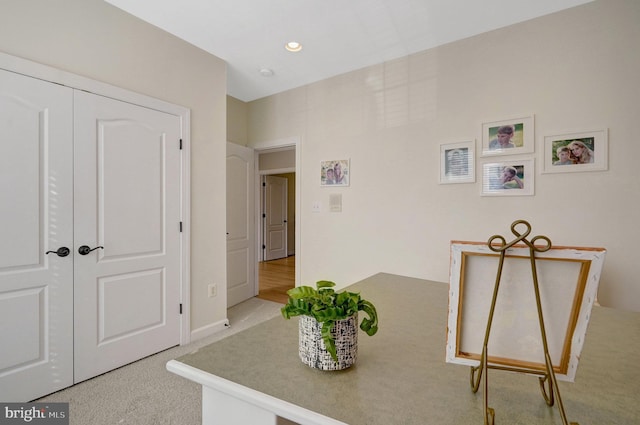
(264, 247)
(180, 144)
(180, 308)
(264, 215)
(264, 184)
(180, 227)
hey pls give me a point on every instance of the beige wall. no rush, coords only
(237, 121)
(95, 40)
(277, 160)
(575, 70)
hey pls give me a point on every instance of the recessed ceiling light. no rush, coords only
(266, 72)
(293, 46)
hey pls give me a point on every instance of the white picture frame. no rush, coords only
(520, 140)
(508, 178)
(593, 147)
(335, 173)
(457, 162)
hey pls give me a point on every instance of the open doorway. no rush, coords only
(276, 277)
(276, 271)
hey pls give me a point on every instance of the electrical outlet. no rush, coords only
(213, 290)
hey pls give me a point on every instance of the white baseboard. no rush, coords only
(209, 330)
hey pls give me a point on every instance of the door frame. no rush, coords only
(264, 147)
(57, 76)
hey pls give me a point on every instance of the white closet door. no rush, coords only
(127, 200)
(275, 206)
(36, 216)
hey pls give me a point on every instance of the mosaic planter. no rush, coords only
(313, 351)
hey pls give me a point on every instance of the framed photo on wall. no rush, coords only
(508, 178)
(576, 152)
(335, 172)
(508, 137)
(457, 162)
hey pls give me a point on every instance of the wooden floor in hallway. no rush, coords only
(276, 277)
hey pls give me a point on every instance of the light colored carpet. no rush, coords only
(144, 392)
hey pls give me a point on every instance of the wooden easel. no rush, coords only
(547, 379)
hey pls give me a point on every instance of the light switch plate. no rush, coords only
(335, 202)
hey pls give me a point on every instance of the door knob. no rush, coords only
(84, 249)
(63, 251)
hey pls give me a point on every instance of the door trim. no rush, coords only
(57, 76)
(262, 147)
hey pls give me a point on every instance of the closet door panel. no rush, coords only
(36, 217)
(127, 207)
(131, 199)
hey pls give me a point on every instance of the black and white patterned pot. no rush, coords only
(313, 351)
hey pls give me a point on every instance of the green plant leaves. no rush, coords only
(302, 292)
(329, 342)
(370, 324)
(324, 305)
(324, 284)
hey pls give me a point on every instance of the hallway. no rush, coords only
(276, 277)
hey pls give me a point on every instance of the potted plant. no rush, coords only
(328, 324)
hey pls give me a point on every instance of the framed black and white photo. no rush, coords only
(508, 136)
(576, 152)
(508, 178)
(335, 172)
(457, 162)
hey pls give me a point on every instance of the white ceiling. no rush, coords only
(338, 36)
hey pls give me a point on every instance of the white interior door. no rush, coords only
(36, 216)
(127, 209)
(275, 204)
(240, 224)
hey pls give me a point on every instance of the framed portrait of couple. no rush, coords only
(457, 162)
(576, 152)
(335, 172)
(508, 137)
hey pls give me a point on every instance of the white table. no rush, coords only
(255, 377)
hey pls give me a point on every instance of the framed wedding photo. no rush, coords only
(508, 178)
(508, 137)
(335, 172)
(457, 162)
(576, 152)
